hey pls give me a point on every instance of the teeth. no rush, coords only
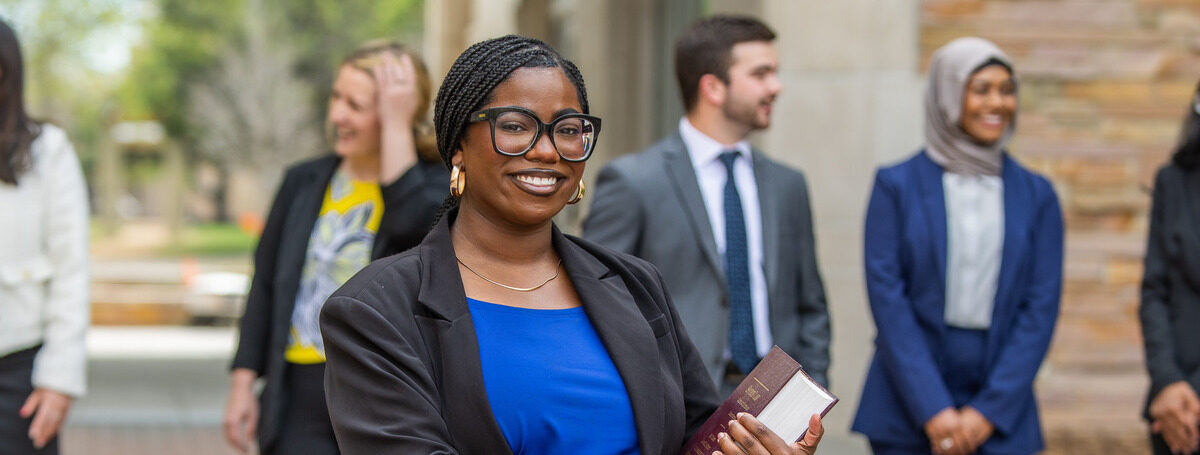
(537, 181)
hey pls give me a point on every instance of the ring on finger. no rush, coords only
(946, 443)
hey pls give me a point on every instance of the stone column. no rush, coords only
(445, 35)
(851, 101)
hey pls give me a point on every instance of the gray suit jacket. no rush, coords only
(649, 204)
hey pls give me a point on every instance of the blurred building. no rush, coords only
(1104, 86)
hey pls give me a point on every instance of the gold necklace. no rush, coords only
(557, 270)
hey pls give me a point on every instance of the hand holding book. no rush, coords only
(747, 432)
(775, 404)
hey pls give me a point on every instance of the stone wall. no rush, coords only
(1104, 86)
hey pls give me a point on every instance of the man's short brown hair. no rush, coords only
(706, 47)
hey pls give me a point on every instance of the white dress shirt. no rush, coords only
(43, 264)
(974, 242)
(711, 174)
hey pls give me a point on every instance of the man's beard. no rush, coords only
(746, 114)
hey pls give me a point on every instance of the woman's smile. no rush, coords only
(541, 182)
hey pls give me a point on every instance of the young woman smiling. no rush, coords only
(374, 196)
(499, 334)
(963, 263)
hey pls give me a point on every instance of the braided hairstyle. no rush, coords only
(475, 74)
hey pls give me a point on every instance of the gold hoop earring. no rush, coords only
(578, 194)
(458, 181)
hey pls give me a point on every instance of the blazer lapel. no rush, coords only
(933, 199)
(1016, 216)
(623, 329)
(683, 181)
(1016, 219)
(293, 247)
(769, 200)
(464, 393)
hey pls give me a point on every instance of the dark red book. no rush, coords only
(777, 392)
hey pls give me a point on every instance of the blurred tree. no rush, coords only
(243, 82)
(69, 75)
(254, 111)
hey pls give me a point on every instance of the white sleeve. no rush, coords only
(61, 362)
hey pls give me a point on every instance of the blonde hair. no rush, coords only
(367, 57)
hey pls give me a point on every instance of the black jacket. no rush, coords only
(1170, 308)
(403, 373)
(410, 204)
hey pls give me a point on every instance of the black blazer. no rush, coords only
(410, 204)
(1170, 308)
(403, 375)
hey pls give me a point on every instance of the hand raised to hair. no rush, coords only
(748, 436)
(396, 83)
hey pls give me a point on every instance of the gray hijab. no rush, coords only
(947, 144)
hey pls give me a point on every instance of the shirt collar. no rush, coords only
(704, 149)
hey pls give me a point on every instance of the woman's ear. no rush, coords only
(457, 158)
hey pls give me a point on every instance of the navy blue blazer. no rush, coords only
(905, 259)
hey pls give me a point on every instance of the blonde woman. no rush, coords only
(376, 195)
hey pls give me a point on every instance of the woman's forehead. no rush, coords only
(542, 90)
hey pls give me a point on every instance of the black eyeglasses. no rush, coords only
(515, 130)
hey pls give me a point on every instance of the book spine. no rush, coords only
(751, 395)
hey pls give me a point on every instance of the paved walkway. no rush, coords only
(152, 390)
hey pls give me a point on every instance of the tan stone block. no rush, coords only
(1067, 112)
(1124, 271)
(1178, 21)
(950, 9)
(1091, 13)
(1024, 146)
(1105, 244)
(1109, 91)
(1104, 173)
(1177, 92)
(1151, 132)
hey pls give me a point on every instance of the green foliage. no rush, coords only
(217, 239)
(180, 46)
(184, 44)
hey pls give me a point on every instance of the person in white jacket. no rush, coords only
(43, 270)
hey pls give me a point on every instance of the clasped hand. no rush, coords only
(1175, 412)
(958, 431)
(748, 436)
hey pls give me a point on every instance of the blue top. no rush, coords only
(551, 384)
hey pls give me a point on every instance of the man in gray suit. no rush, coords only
(730, 229)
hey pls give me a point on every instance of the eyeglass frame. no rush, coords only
(491, 114)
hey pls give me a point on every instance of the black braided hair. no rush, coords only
(475, 74)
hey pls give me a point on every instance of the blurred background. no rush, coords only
(184, 114)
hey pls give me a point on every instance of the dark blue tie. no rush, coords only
(737, 274)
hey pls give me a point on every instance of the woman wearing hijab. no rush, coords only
(963, 257)
(500, 335)
(1170, 308)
